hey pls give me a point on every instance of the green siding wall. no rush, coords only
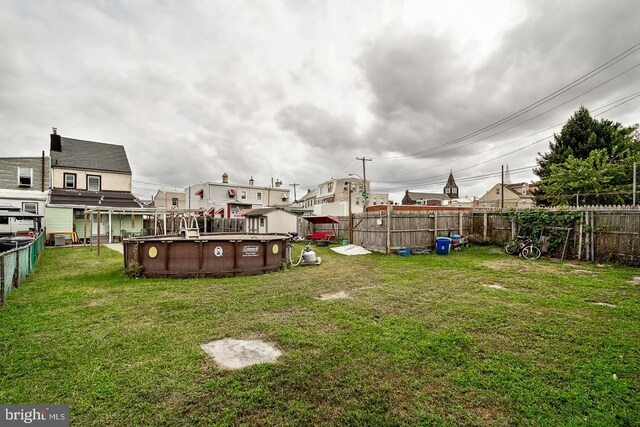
(58, 219)
(116, 220)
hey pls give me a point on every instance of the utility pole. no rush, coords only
(364, 177)
(502, 190)
(350, 217)
(634, 184)
(295, 197)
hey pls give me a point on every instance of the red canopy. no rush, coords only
(322, 219)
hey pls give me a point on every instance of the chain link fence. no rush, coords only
(17, 264)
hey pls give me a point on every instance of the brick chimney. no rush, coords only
(56, 143)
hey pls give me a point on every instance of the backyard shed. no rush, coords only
(270, 220)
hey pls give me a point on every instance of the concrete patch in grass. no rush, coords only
(236, 354)
(494, 286)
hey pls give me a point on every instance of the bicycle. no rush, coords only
(523, 247)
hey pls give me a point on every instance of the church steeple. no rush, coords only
(507, 175)
(451, 189)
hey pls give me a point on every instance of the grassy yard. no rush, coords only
(473, 338)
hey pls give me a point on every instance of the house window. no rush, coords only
(93, 183)
(261, 222)
(357, 200)
(330, 187)
(25, 176)
(69, 180)
(174, 202)
(360, 187)
(284, 197)
(345, 187)
(4, 220)
(243, 195)
(30, 207)
(259, 195)
(498, 190)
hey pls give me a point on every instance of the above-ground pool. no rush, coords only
(213, 255)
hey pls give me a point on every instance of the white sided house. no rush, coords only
(225, 200)
(270, 220)
(519, 195)
(332, 197)
(88, 175)
(24, 186)
(170, 199)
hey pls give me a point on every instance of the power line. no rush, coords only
(617, 103)
(514, 171)
(541, 101)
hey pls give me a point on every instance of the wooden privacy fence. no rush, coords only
(385, 231)
(598, 233)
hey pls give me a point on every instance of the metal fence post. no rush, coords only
(16, 274)
(2, 284)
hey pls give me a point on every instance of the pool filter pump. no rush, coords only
(307, 257)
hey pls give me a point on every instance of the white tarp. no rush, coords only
(351, 250)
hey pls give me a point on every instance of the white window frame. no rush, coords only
(72, 175)
(89, 177)
(20, 184)
(174, 202)
(25, 204)
(243, 195)
(259, 195)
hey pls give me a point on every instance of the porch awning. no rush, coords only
(322, 219)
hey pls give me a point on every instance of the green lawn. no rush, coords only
(422, 341)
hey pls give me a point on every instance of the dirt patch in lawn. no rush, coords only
(635, 280)
(494, 286)
(334, 296)
(604, 304)
(522, 266)
(582, 272)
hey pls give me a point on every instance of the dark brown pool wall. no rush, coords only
(210, 255)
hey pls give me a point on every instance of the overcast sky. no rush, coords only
(295, 90)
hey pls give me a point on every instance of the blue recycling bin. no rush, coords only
(443, 245)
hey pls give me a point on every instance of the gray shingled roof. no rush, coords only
(428, 196)
(106, 199)
(260, 211)
(80, 154)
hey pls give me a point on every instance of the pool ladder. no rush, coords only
(190, 232)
